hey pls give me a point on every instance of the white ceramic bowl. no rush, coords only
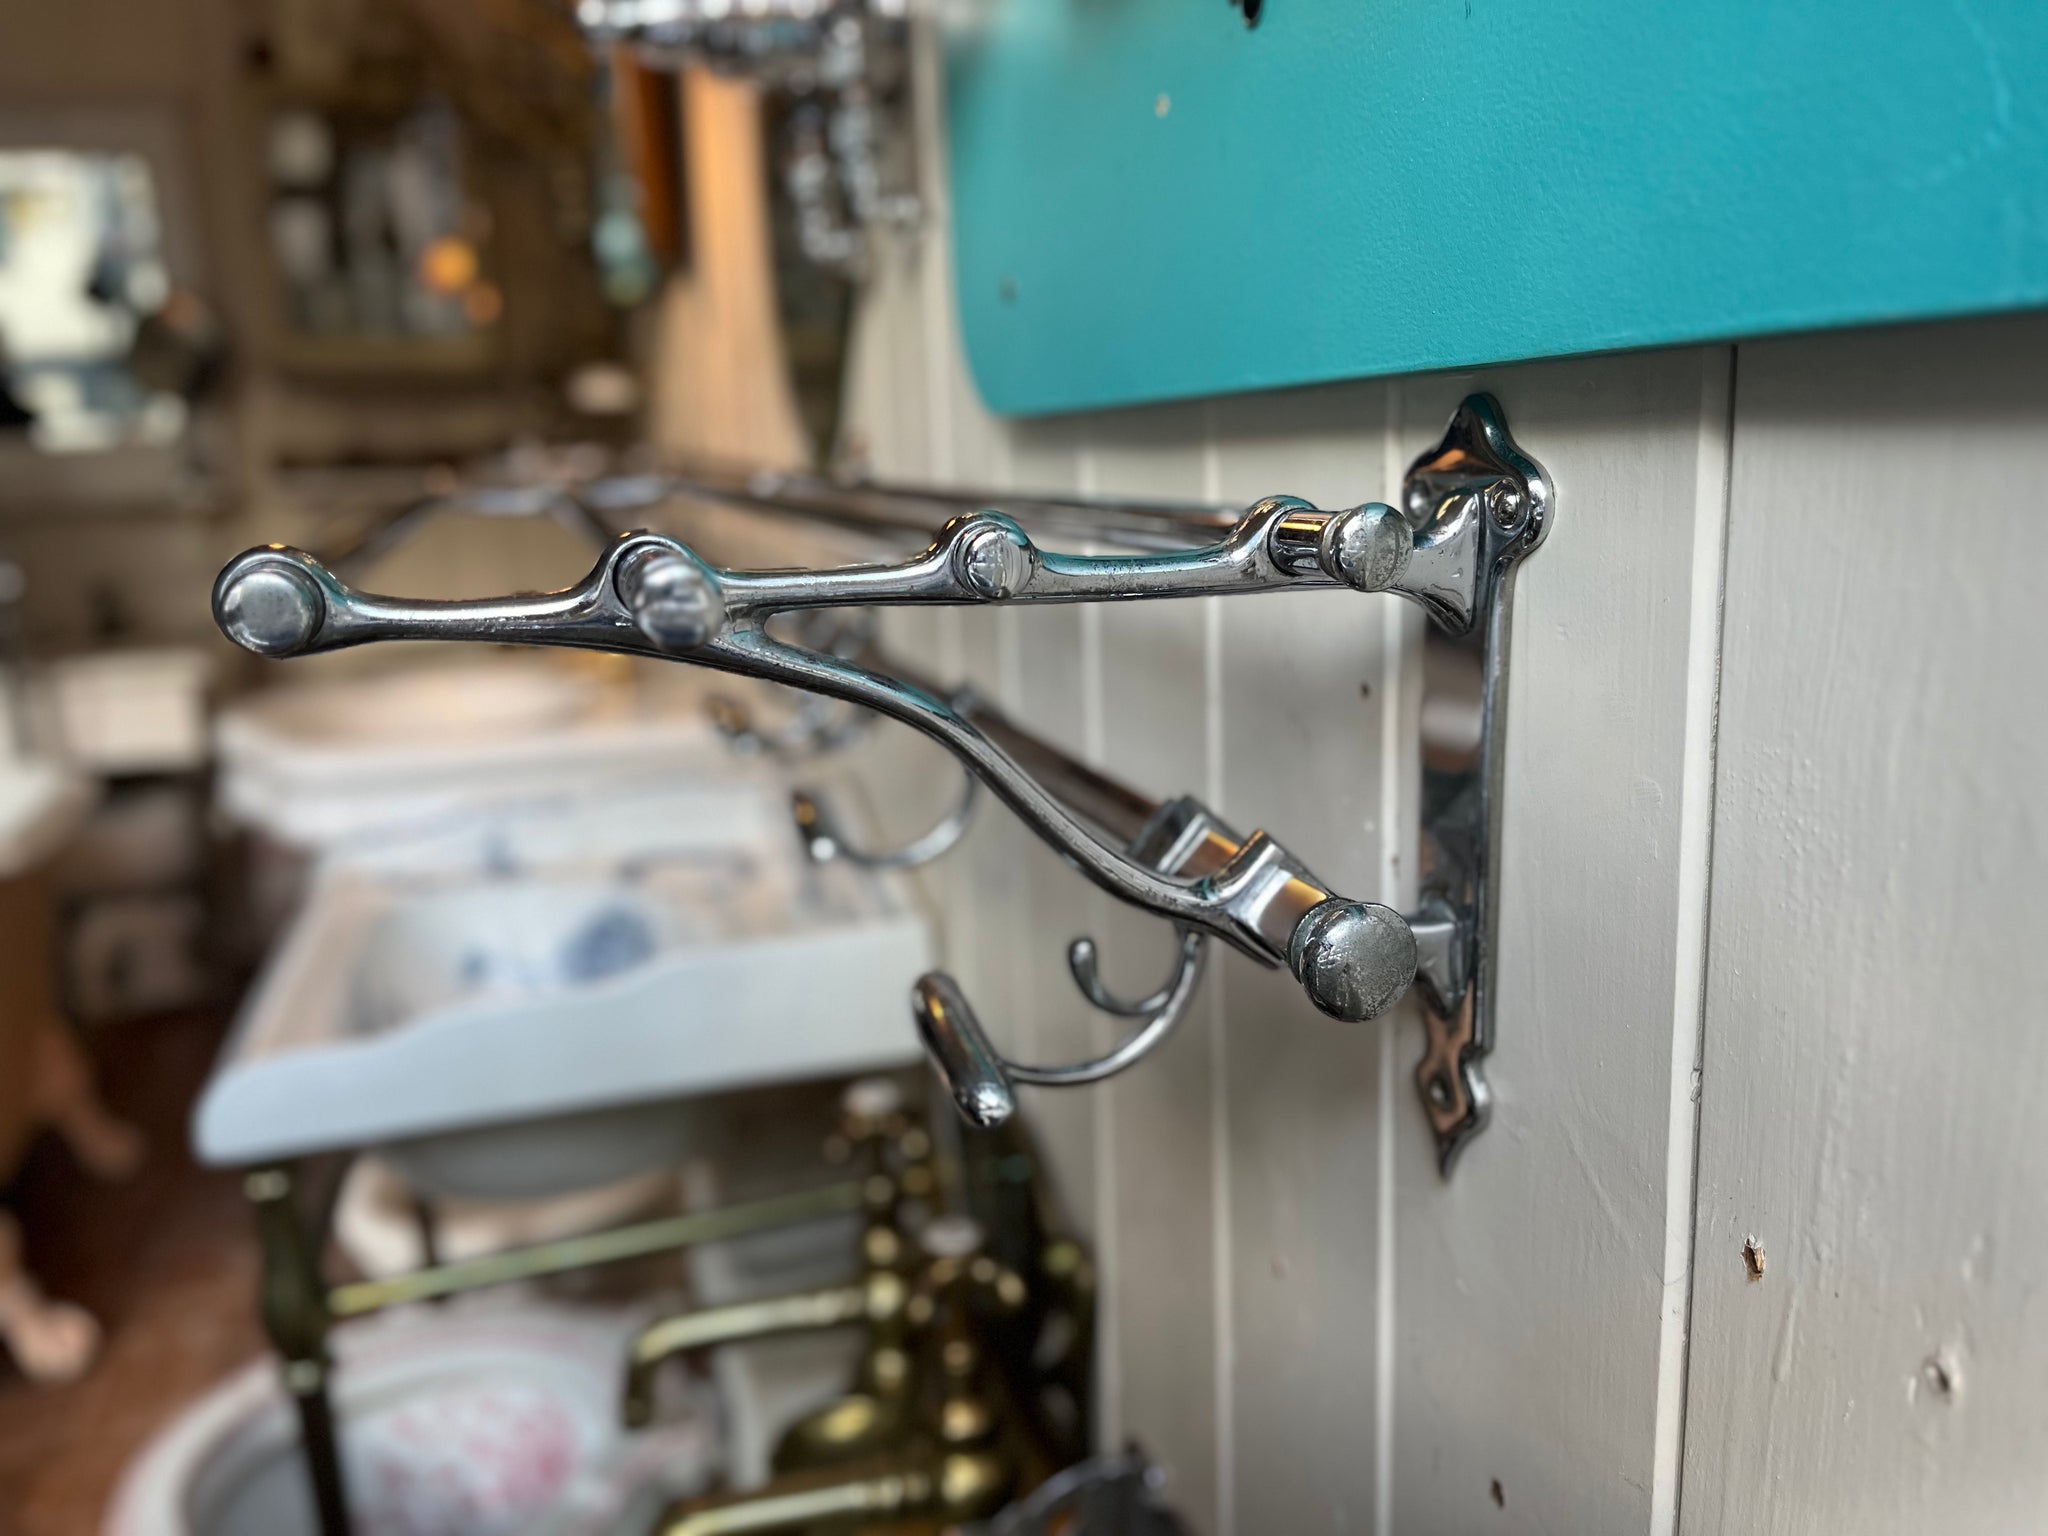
(485, 1420)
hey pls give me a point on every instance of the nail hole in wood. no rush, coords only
(1941, 1376)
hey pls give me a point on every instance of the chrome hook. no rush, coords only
(1082, 958)
(825, 840)
(982, 1080)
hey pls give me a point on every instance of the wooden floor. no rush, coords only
(167, 1262)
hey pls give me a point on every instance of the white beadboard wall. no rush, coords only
(1875, 1060)
(1304, 1322)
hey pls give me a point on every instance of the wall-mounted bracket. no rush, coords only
(1498, 501)
(1471, 509)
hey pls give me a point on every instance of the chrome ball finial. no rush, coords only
(265, 603)
(1355, 959)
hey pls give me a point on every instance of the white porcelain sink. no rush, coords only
(467, 1420)
(314, 764)
(523, 1033)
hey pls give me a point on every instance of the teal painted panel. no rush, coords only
(1150, 200)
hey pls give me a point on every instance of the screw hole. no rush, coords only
(1507, 506)
(1440, 1091)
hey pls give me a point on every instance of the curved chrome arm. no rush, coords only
(652, 596)
(819, 725)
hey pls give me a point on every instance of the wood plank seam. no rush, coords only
(1695, 861)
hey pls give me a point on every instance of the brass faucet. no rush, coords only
(878, 1298)
(878, 1133)
(874, 1415)
(951, 1488)
(974, 1383)
(961, 1454)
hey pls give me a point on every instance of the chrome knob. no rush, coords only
(268, 604)
(675, 600)
(1366, 548)
(1355, 959)
(994, 556)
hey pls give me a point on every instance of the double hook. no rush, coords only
(825, 839)
(979, 1078)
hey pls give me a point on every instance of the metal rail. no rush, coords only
(589, 1250)
(608, 505)
(390, 528)
(896, 507)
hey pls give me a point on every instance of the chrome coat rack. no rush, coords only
(1471, 509)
